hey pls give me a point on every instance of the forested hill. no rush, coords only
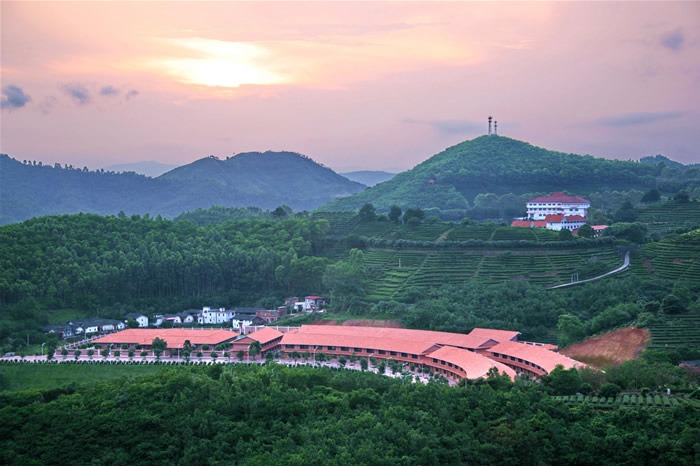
(264, 180)
(494, 164)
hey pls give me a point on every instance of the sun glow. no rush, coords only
(223, 64)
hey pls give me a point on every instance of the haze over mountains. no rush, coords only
(265, 180)
(449, 180)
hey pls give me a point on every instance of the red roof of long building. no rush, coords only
(477, 338)
(558, 218)
(560, 197)
(175, 337)
(265, 335)
(356, 341)
(529, 223)
(473, 364)
(543, 357)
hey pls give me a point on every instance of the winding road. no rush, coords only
(625, 265)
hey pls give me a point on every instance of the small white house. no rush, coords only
(141, 319)
(214, 316)
(314, 303)
(563, 222)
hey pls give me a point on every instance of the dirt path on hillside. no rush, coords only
(611, 348)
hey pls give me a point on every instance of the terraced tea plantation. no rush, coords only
(394, 271)
(673, 260)
(671, 215)
(628, 401)
(676, 331)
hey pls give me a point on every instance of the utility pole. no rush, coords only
(490, 118)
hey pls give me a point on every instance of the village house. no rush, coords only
(214, 316)
(141, 319)
(271, 315)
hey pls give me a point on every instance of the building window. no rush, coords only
(303, 346)
(344, 348)
(382, 352)
(404, 355)
(331, 348)
(393, 353)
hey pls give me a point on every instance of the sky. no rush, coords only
(353, 85)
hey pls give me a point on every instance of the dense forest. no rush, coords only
(266, 415)
(499, 167)
(109, 266)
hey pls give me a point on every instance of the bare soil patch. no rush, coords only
(611, 348)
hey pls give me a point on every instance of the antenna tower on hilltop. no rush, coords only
(495, 128)
(490, 118)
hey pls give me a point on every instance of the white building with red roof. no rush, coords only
(557, 204)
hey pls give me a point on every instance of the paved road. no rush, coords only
(625, 265)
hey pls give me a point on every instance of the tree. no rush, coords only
(395, 214)
(254, 349)
(214, 355)
(413, 213)
(570, 328)
(187, 350)
(159, 345)
(364, 364)
(626, 213)
(131, 323)
(682, 197)
(64, 353)
(282, 211)
(672, 304)
(240, 355)
(651, 196)
(90, 353)
(346, 280)
(77, 354)
(565, 235)
(105, 353)
(563, 381)
(609, 390)
(586, 231)
(367, 212)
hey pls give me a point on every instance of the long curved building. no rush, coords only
(454, 355)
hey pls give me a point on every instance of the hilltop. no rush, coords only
(264, 180)
(499, 165)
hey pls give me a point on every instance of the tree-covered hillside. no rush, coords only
(455, 177)
(264, 180)
(302, 416)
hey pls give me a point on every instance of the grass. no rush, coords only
(25, 376)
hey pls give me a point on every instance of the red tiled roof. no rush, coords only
(529, 223)
(478, 338)
(356, 341)
(543, 357)
(575, 218)
(175, 338)
(473, 364)
(553, 218)
(600, 227)
(314, 297)
(560, 197)
(265, 335)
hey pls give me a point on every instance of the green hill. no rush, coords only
(264, 180)
(453, 178)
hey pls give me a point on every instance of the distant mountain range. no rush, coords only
(152, 169)
(369, 177)
(453, 178)
(265, 180)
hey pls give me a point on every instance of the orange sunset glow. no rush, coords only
(355, 85)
